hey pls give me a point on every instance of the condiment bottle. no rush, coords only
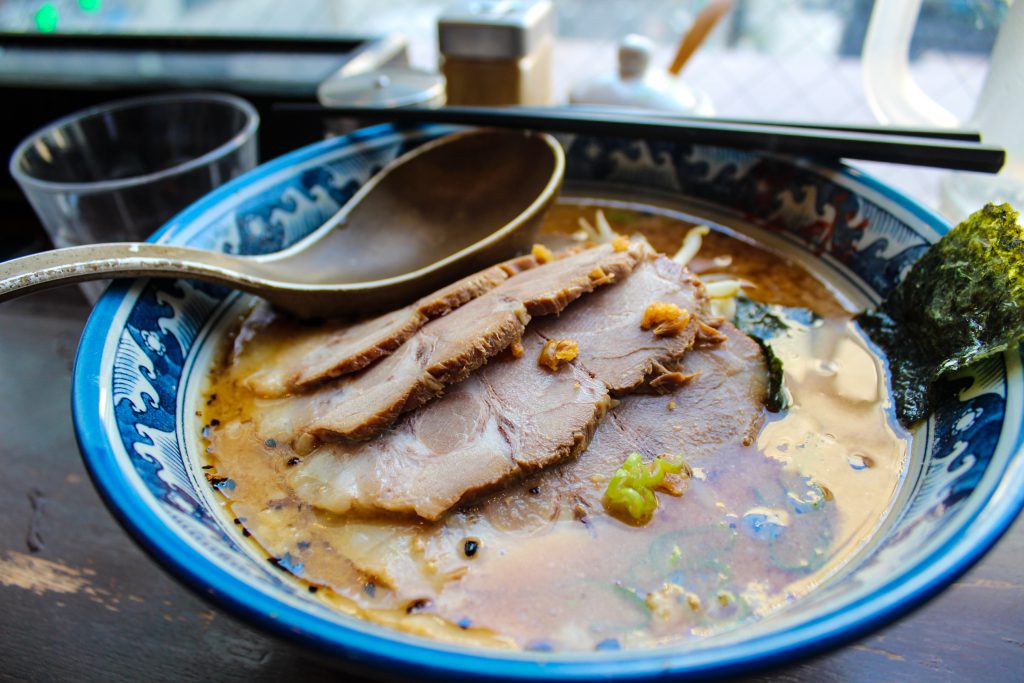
(390, 86)
(497, 52)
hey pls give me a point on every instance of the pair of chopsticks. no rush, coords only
(952, 149)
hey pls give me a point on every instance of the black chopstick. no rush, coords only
(817, 142)
(936, 133)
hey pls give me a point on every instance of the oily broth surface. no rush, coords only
(759, 524)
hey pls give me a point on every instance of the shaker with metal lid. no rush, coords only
(497, 52)
(390, 86)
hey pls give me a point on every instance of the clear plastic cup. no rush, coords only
(117, 172)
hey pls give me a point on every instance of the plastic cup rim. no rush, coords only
(232, 144)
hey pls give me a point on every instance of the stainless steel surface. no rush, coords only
(387, 87)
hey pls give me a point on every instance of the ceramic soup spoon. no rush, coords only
(447, 208)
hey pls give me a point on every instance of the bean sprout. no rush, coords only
(723, 289)
(602, 233)
(691, 244)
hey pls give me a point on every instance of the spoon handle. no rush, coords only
(58, 267)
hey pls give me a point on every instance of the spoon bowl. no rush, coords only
(443, 210)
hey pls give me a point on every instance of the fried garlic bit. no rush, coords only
(599, 277)
(542, 253)
(669, 381)
(665, 602)
(672, 328)
(666, 319)
(620, 243)
(707, 335)
(517, 349)
(557, 352)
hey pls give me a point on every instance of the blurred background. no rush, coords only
(785, 58)
(796, 60)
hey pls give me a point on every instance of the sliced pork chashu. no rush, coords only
(511, 415)
(509, 418)
(612, 345)
(715, 413)
(444, 351)
(341, 347)
(720, 407)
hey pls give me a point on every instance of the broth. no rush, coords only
(759, 524)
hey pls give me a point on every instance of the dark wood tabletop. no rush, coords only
(80, 601)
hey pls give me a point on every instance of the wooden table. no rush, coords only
(79, 601)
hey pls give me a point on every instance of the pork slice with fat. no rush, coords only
(521, 417)
(341, 347)
(612, 345)
(714, 414)
(444, 351)
(511, 416)
(720, 408)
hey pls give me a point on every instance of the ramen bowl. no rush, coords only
(145, 351)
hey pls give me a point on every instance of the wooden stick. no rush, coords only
(705, 21)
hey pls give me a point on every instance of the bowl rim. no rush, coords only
(888, 601)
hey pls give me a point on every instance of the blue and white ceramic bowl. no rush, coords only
(141, 363)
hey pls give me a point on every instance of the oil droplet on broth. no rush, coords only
(765, 523)
(828, 368)
(859, 461)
